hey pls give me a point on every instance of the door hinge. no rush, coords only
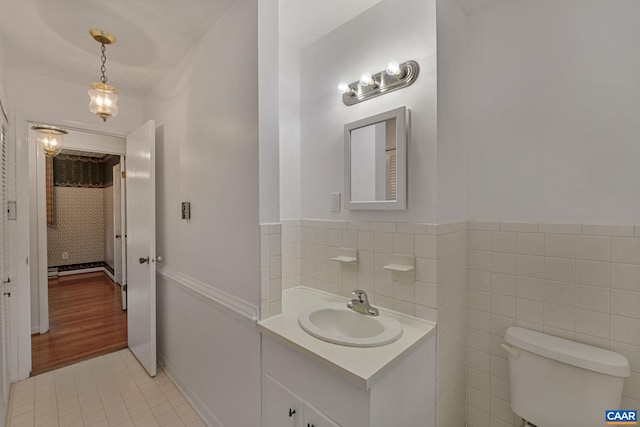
(124, 174)
(124, 288)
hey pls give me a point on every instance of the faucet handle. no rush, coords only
(362, 296)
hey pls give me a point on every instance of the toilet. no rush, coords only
(560, 383)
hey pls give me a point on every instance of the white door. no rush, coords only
(123, 225)
(141, 244)
(119, 245)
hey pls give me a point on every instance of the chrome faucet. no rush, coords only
(361, 304)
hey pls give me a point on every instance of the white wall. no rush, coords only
(452, 80)
(268, 111)
(207, 146)
(3, 72)
(553, 101)
(391, 30)
(289, 100)
(212, 354)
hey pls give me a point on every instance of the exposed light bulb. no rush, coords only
(367, 80)
(393, 69)
(344, 88)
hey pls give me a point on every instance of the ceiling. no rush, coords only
(51, 37)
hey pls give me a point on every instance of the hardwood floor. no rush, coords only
(85, 320)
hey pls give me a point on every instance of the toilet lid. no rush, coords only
(570, 352)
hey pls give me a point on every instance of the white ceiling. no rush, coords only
(51, 37)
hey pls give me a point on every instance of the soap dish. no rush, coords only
(347, 259)
(398, 267)
(346, 256)
(399, 262)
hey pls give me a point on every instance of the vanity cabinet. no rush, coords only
(282, 408)
(325, 395)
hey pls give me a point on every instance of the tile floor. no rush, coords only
(110, 390)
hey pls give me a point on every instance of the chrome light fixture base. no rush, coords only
(383, 83)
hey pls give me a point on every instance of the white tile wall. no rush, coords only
(270, 270)
(292, 252)
(576, 281)
(435, 290)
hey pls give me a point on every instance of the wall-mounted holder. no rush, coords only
(401, 263)
(395, 77)
(346, 256)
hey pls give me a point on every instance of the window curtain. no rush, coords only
(49, 189)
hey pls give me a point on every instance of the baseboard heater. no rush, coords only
(89, 267)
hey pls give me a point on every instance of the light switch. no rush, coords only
(11, 211)
(186, 210)
(335, 202)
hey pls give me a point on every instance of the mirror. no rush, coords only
(376, 161)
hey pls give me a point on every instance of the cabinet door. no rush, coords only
(281, 408)
(315, 418)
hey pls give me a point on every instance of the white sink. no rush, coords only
(335, 323)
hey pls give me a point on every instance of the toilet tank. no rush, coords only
(561, 383)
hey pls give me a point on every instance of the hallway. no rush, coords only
(85, 320)
(109, 390)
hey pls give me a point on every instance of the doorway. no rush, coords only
(83, 239)
(138, 246)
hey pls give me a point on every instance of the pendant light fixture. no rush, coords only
(49, 139)
(104, 97)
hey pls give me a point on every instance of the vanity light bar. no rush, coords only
(396, 76)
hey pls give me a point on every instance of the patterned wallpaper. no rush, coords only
(78, 228)
(82, 211)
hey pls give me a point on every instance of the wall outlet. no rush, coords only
(65, 255)
(335, 202)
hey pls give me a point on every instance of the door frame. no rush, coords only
(120, 244)
(32, 229)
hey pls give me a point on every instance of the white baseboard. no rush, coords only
(108, 273)
(198, 406)
(80, 271)
(85, 270)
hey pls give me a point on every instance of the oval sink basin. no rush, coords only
(335, 323)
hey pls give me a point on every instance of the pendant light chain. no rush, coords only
(103, 57)
(103, 97)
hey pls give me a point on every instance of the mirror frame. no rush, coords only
(402, 116)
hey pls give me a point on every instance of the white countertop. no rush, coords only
(362, 366)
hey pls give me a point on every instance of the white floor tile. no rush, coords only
(110, 390)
